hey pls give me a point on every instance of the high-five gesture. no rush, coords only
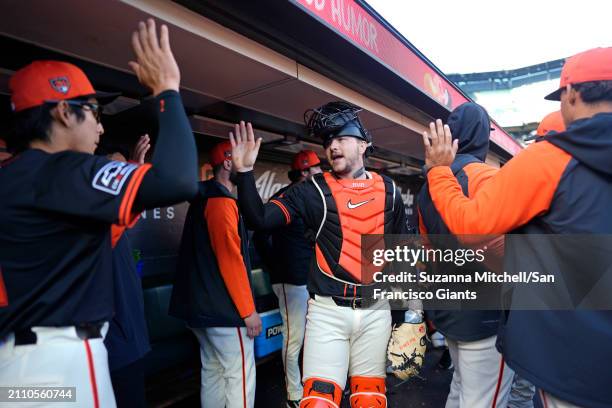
(442, 149)
(141, 149)
(155, 65)
(244, 147)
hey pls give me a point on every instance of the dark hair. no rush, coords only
(34, 124)
(294, 175)
(595, 91)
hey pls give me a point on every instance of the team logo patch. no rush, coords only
(60, 84)
(112, 177)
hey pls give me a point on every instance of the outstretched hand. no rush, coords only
(155, 65)
(141, 149)
(244, 147)
(441, 150)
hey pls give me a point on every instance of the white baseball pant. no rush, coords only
(481, 376)
(292, 304)
(521, 393)
(228, 367)
(341, 340)
(58, 359)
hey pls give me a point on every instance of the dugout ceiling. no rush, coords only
(225, 75)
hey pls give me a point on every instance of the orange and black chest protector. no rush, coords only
(336, 213)
(352, 208)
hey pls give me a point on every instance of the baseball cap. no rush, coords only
(220, 152)
(551, 122)
(304, 160)
(587, 66)
(43, 81)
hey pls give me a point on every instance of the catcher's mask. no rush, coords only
(337, 119)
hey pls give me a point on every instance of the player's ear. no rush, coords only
(572, 94)
(62, 113)
(363, 146)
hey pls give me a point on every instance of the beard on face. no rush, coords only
(348, 162)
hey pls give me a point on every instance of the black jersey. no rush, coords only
(285, 251)
(56, 212)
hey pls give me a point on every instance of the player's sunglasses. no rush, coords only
(95, 108)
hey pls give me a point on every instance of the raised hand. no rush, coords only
(155, 65)
(244, 147)
(442, 149)
(141, 149)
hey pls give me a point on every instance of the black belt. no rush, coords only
(352, 302)
(85, 331)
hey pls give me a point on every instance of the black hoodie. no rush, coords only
(589, 141)
(563, 186)
(470, 124)
(538, 344)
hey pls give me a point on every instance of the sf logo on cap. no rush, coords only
(60, 84)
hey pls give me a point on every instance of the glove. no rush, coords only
(406, 349)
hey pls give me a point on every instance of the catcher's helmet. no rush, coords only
(335, 119)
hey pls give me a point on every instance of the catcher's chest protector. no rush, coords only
(351, 208)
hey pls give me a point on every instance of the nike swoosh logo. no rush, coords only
(352, 206)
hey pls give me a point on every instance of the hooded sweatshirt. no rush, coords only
(562, 185)
(470, 124)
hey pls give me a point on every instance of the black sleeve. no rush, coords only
(274, 214)
(174, 175)
(262, 244)
(400, 225)
(89, 186)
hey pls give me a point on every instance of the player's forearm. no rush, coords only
(257, 216)
(221, 215)
(237, 284)
(231, 266)
(459, 213)
(173, 177)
